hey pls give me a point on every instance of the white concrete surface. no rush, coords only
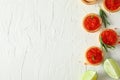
(45, 40)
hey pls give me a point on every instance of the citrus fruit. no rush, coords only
(89, 75)
(112, 68)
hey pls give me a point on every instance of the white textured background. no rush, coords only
(44, 40)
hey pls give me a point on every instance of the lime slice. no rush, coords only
(89, 75)
(112, 68)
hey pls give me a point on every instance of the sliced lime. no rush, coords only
(89, 75)
(112, 68)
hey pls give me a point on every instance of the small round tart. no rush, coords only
(111, 5)
(109, 37)
(92, 22)
(89, 2)
(94, 56)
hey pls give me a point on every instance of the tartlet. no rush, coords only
(109, 37)
(111, 5)
(92, 22)
(89, 2)
(94, 56)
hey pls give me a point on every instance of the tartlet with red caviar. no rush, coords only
(108, 39)
(89, 2)
(92, 22)
(94, 56)
(111, 5)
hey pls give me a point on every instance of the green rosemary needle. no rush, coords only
(104, 17)
(104, 46)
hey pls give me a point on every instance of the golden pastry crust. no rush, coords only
(89, 2)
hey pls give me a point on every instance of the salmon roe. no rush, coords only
(94, 55)
(109, 37)
(92, 23)
(112, 4)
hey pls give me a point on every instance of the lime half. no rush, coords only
(112, 68)
(89, 75)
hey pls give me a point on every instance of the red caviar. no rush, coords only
(94, 55)
(109, 37)
(92, 22)
(112, 4)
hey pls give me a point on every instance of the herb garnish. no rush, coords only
(105, 46)
(104, 17)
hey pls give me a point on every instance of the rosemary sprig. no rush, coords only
(104, 17)
(104, 46)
